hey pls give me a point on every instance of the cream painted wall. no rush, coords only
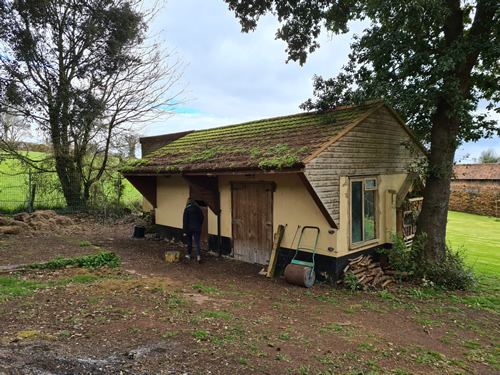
(212, 222)
(172, 194)
(146, 206)
(293, 205)
(388, 185)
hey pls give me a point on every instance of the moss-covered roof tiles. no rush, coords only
(276, 143)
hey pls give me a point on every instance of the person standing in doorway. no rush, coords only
(192, 224)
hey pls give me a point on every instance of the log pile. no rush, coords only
(367, 273)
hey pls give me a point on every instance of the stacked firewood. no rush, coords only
(367, 272)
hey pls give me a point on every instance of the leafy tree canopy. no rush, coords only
(413, 54)
(489, 156)
(433, 61)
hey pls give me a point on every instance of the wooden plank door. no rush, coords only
(252, 218)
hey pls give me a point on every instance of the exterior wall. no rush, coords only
(373, 147)
(293, 206)
(479, 199)
(388, 185)
(172, 195)
(146, 206)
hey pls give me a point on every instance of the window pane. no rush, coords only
(357, 211)
(371, 184)
(369, 215)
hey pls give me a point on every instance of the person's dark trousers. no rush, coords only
(197, 236)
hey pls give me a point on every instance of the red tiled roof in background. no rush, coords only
(477, 171)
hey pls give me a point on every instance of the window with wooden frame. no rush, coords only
(364, 224)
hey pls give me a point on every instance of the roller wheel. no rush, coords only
(300, 275)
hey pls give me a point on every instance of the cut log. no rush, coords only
(373, 265)
(394, 273)
(377, 278)
(355, 259)
(369, 279)
(376, 271)
(368, 272)
(355, 272)
(386, 283)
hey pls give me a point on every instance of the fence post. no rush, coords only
(29, 192)
(119, 192)
(103, 198)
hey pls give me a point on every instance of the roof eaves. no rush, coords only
(221, 171)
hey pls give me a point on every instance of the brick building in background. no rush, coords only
(475, 189)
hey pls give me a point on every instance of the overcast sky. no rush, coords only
(233, 77)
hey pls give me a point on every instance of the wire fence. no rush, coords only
(30, 191)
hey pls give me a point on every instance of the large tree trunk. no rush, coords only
(71, 185)
(68, 174)
(433, 218)
(445, 124)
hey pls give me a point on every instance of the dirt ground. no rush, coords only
(218, 317)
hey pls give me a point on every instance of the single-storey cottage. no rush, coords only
(344, 171)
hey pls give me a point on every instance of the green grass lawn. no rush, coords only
(479, 236)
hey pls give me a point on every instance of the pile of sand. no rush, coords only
(45, 220)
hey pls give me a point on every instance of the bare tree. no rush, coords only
(83, 72)
(126, 145)
(13, 129)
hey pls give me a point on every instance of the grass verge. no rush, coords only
(480, 236)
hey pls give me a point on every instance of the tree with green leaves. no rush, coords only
(489, 156)
(434, 61)
(83, 71)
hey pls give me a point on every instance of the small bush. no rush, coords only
(449, 271)
(353, 282)
(401, 258)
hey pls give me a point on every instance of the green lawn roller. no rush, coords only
(300, 272)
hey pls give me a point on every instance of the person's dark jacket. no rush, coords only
(192, 219)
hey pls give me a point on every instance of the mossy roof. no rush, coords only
(276, 143)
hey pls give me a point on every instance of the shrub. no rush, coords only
(401, 258)
(353, 282)
(449, 271)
